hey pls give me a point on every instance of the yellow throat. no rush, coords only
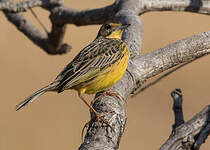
(116, 34)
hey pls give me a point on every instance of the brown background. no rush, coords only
(55, 121)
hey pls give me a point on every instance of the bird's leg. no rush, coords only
(98, 117)
(83, 129)
(109, 93)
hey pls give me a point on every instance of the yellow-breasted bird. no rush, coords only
(98, 66)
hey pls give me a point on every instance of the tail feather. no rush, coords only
(34, 97)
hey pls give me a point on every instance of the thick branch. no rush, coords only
(64, 15)
(19, 7)
(73, 16)
(153, 63)
(197, 6)
(23, 6)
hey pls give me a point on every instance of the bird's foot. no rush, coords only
(98, 118)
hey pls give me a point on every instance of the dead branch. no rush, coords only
(189, 135)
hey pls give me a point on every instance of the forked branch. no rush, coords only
(189, 135)
(60, 15)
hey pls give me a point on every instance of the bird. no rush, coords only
(95, 68)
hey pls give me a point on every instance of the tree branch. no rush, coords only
(20, 6)
(50, 43)
(177, 108)
(61, 15)
(24, 5)
(64, 15)
(141, 89)
(155, 62)
(196, 6)
(189, 135)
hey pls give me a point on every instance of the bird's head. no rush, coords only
(112, 30)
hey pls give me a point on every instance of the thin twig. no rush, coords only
(38, 20)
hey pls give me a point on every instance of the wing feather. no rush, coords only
(96, 56)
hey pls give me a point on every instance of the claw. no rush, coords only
(98, 117)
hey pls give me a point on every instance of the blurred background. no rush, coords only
(55, 121)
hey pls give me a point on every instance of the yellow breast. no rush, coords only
(107, 77)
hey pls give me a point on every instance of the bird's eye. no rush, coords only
(107, 26)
